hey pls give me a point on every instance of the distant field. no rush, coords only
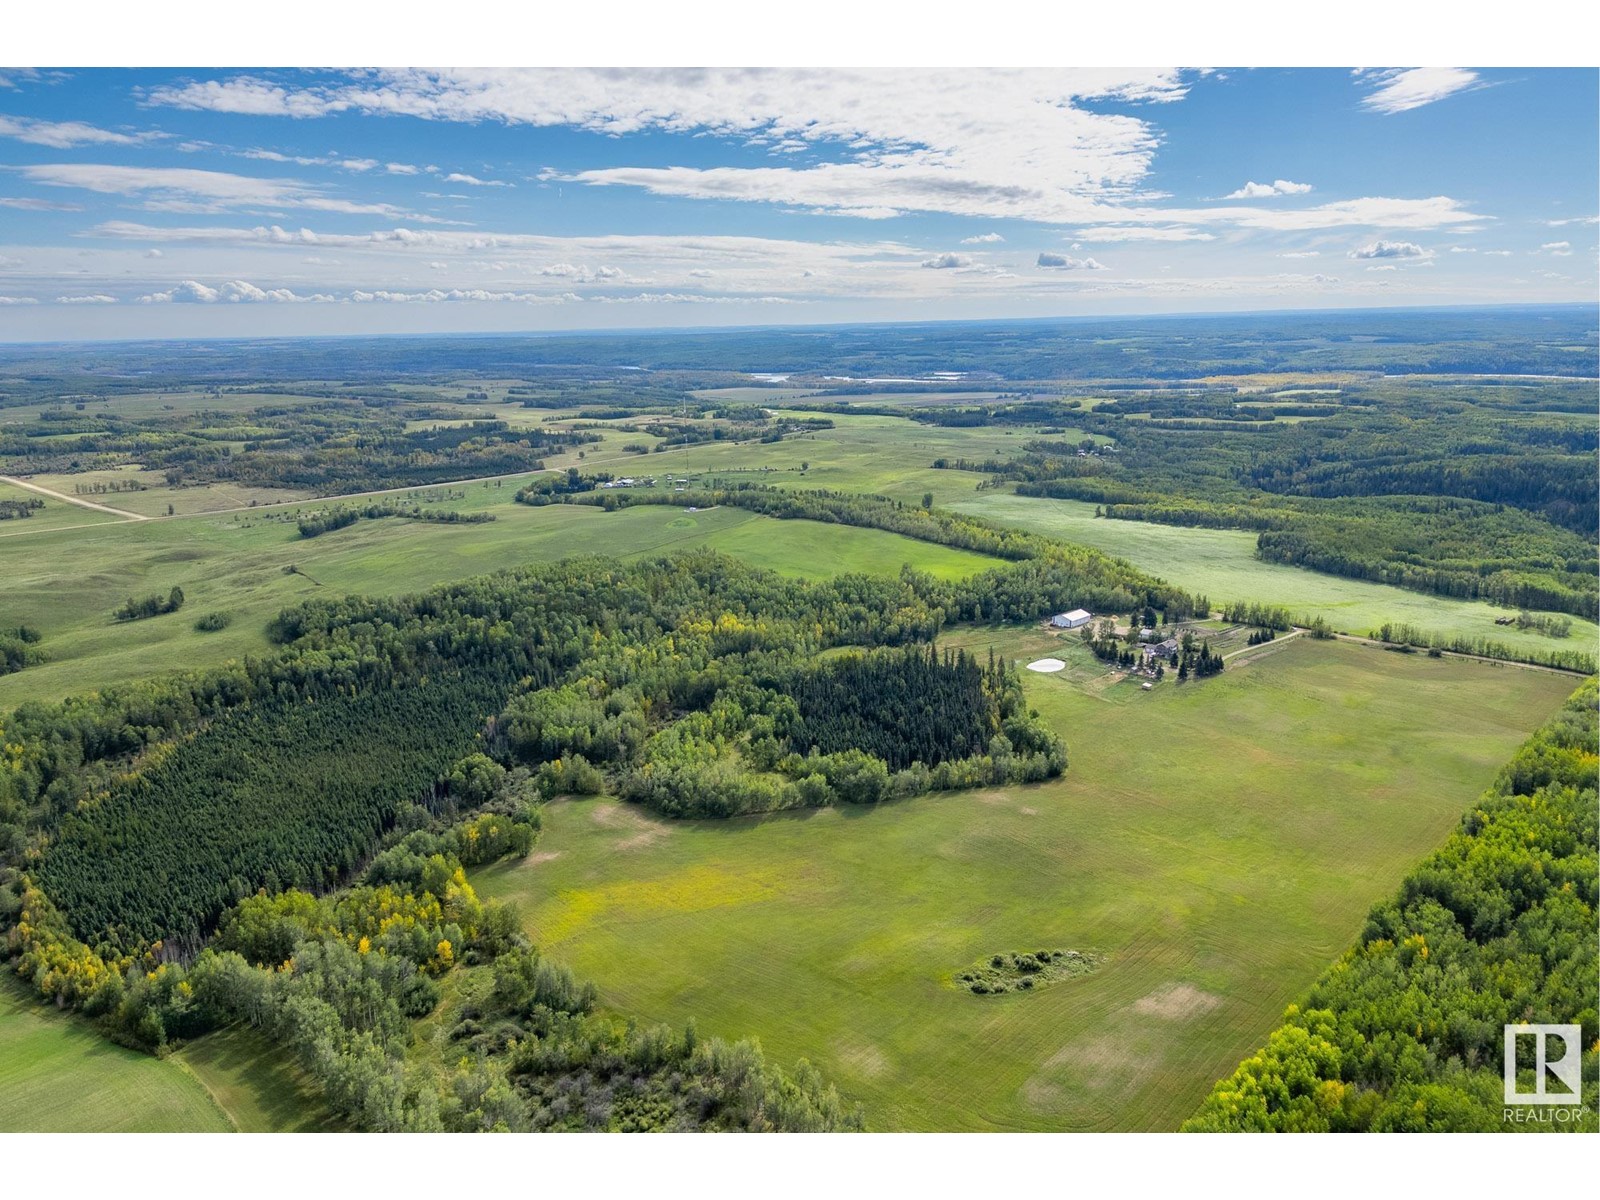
(1221, 564)
(59, 1075)
(68, 582)
(1220, 841)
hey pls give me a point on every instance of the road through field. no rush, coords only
(78, 500)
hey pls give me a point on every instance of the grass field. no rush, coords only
(1220, 842)
(68, 582)
(254, 1084)
(59, 1075)
(1221, 564)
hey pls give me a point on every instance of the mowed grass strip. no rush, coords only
(59, 1075)
(256, 1083)
(1221, 565)
(1220, 842)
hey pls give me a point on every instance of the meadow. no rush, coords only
(59, 1075)
(1221, 564)
(1219, 842)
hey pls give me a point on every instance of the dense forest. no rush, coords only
(1404, 1032)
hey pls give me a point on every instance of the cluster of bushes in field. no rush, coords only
(1025, 970)
(1404, 1032)
(19, 648)
(14, 510)
(150, 606)
(327, 520)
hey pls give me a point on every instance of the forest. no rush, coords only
(1403, 1032)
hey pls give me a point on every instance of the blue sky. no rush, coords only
(218, 203)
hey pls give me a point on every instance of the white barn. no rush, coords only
(1071, 620)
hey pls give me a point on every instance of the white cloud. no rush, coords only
(1498, 253)
(1463, 249)
(474, 181)
(399, 168)
(235, 291)
(32, 204)
(12, 300)
(97, 298)
(1573, 221)
(986, 144)
(184, 189)
(1402, 90)
(1383, 249)
(63, 135)
(947, 261)
(1278, 187)
(982, 239)
(1301, 254)
(1068, 263)
(155, 253)
(1557, 249)
(1144, 233)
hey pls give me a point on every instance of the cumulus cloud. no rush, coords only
(1559, 221)
(1558, 249)
(982, 239)
(16, 300)
(947, 261)
(1400, 90)
(1383, 249)
(235, 291)
(1068, 263)
(1498, 253)
(1278, 187)
(97, 298)
(1301, 254)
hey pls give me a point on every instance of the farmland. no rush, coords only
(1219, 842)
(58, 1075)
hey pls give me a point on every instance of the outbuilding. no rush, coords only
(1071, 620)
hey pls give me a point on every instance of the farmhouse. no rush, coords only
(1071, 620)
(1160, 650)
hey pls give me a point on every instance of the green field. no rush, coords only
(1221, 564)
(68, 582)
(59, 1075)
(251, 1081)
(1220, 842)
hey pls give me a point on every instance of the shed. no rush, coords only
(1071, 620)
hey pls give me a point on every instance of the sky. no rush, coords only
(160, 203)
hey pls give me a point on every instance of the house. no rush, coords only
(1071, 620)
(1160, 650)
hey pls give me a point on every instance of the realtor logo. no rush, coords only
(1564, 1069)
